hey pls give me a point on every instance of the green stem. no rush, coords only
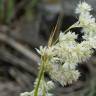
(41, 73)
(44, 88)
(73, 26)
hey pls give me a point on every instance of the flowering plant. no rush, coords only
(61, 58)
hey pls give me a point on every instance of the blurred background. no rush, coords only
(24, 26)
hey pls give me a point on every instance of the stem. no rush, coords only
(73, 26)
(41, 73)
(44, 88)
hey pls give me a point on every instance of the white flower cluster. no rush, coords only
(86, 20)
(40, 93)
(67, 53)
(64, 56)
(44, 50)
(83, 7)
(49, 85)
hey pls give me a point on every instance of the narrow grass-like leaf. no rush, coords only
(10, 10)
(1, 10)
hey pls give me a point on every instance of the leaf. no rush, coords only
(1, 10)
(30, 9)
(10, 10)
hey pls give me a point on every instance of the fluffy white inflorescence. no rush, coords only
(32, 93)
(64, 75)
(86, 20)
(49, 85)
(64, 56)
(83, 7)
(45, 50)
(67, 53)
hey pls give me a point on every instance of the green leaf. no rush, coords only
(10, 10)
(1, 10)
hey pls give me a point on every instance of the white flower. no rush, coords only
(83, 7)
(67, 65)
(67, 37)
(83, 51)
(45, 51)
(41, 50)
(50, 85)
(64, 56)
(25, 94)
(86, 20)
(64, 75)
(67, 54)
(92, 42)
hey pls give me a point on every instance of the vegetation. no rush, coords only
(60, 58)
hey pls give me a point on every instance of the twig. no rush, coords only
(56, 30)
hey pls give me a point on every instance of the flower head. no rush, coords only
(67, 37)
(62, 58)
(45, 51)
(67, 54)
(83, 7)
(86, 20)
(48, 86)
(64, 75)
